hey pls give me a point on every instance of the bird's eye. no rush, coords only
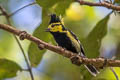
(52, 25)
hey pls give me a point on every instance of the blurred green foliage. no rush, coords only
(79, 19)
(6, 39)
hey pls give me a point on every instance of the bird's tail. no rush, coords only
(92, 69)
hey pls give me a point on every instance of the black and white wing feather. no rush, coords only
(90, 68)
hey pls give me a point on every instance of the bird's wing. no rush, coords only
(81, 47)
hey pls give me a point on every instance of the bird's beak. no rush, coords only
(47, 30)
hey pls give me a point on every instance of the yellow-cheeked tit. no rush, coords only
(67, 39)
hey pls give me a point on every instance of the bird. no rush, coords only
(66, 39)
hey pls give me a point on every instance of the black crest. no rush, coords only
(54, 18)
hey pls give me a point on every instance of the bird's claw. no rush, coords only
(22, 35)
(74, 60)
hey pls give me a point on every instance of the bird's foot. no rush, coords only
(41, 46)
(74, 60)
(105, 62)
(23, 35)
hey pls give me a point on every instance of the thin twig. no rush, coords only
(3, 11)
(98, 62)
(100, 4)
(22, 8)
(22, 50)
(25, 57)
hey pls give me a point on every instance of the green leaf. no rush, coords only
(107, 74)
(93, 41)
(8, 68)
(34, 53)
(47, 3)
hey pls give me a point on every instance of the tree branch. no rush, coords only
(98, 62)
(100, 4)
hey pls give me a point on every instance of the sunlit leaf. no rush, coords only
(93, 41)
(8, 68)
(107, 74)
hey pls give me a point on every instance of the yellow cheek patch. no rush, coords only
(56, 28)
